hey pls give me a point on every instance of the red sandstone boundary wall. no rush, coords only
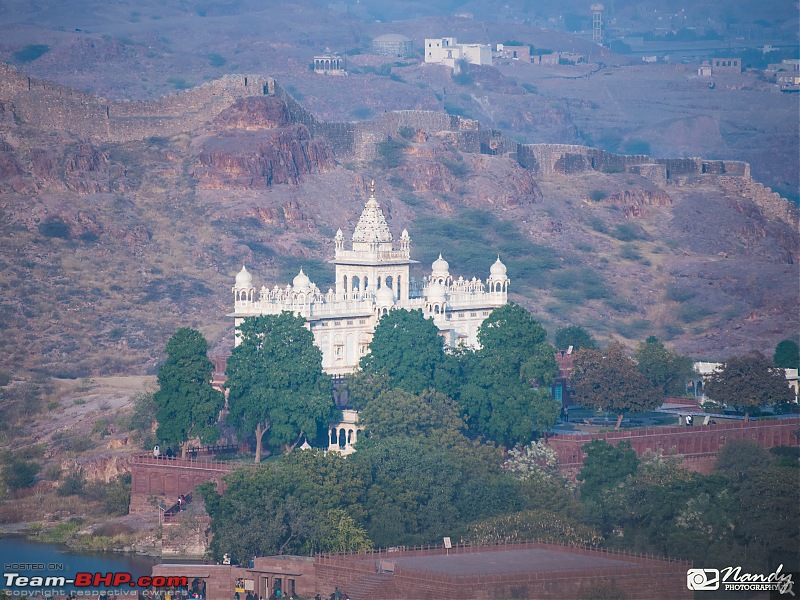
(153, 478)
(688, 441)
(656, 578)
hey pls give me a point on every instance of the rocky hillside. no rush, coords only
(110, 247)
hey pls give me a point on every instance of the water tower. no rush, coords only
(597, 23)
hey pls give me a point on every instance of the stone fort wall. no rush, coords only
(51, 106)
(55, 107)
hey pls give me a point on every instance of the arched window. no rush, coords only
(333, 435)
(346, 289)
(342, 438)
(356, 283)
(389, 282)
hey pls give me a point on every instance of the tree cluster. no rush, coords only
(501, 389)
(745, 512)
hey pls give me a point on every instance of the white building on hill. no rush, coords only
(372, 278)
(447, 51)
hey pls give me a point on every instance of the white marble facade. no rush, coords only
(372, 278)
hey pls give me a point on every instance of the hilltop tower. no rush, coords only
(597, 23)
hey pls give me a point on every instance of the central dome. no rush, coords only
(301, 281)
(372, 225)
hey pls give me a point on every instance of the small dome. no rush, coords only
(244, 279)
(385, 296)
(498, 270)
(436, 292)
(404, 235)
(301, 281)
(440, 267)
(339, 234)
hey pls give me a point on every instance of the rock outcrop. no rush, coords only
(259, 159)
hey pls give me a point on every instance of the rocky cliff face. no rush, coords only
(254, 113)
(247, 160)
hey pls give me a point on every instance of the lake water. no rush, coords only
(31, 559)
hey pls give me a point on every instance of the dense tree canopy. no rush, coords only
(276, 383)
(664, 369)
(609, 380)
(575, 336)
(186, 405)
(746, 382)
(406, 347)
(733, 516)
(787, 355)
(505, 385)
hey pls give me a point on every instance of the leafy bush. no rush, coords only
(179, 83)
(20, 474)
(115, 495)
(632, 329)
(361, 112)
(457, 168)
(692, 314)
(679, 294)
(71, 486)
(636, 146)
(215, 60)
(54, 228)
(31, 52)
(628, 232)
(407, 132)
(597, 195)
(390, 153)
(456, 110)
(629, 252)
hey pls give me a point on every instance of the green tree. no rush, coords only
(187, 406)
(787, 355)
(605, 466)
(575, 336)
(398, 413)
(286, 507)
(664, 369)
(505, 390)
(609, 380)
(20, 473)
(749, 381)
(408, 348)
(276, 383)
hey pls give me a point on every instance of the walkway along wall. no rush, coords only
(686, 441)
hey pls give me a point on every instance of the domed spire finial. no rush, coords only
(372, 189)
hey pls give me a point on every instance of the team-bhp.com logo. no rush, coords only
(732, 579)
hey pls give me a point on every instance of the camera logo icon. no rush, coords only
(702, 579)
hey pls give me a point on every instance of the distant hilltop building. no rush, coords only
(329, 63)
(373, 278)
(447, 51)
(393, 44)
